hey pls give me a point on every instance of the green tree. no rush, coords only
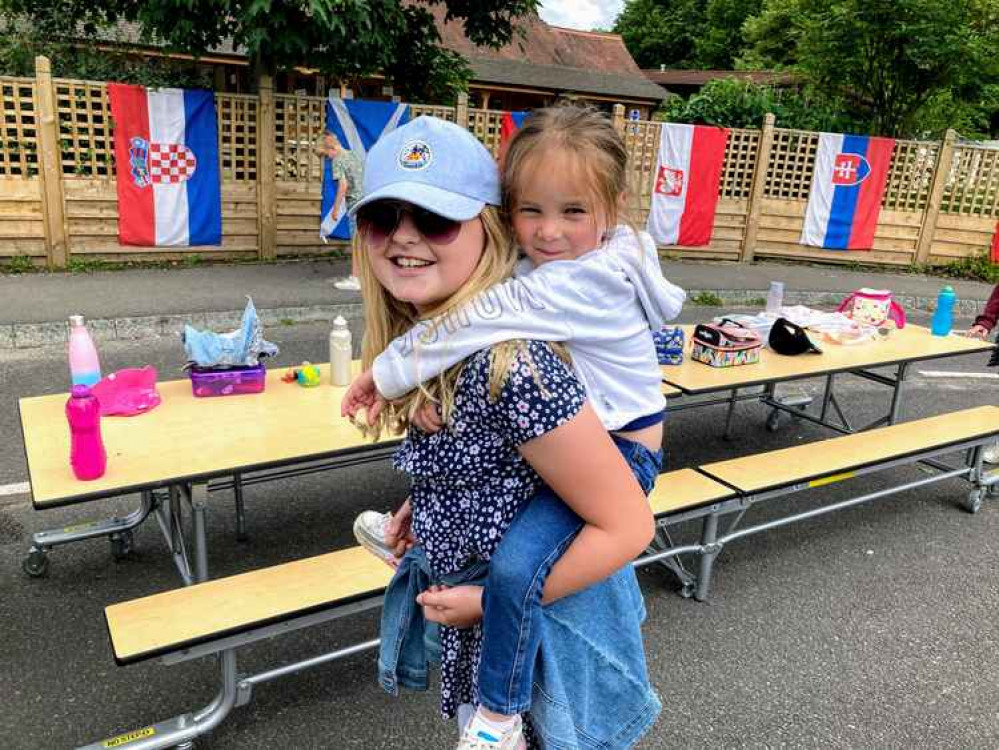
(661, 32)
(890, 63)
(344, 38)
(685, 33)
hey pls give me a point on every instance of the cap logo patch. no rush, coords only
(415, 155)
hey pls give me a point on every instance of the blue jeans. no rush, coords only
(518, 569)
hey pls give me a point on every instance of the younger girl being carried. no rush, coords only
(587, 281)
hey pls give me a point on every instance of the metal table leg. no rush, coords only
(116, 528)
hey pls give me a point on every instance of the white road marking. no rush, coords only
(20, 488)
(969, 375)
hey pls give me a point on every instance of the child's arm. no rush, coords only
(535, 306)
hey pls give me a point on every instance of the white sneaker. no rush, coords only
(479, 735)
(991, 454)
(349, 284)
(369, 531)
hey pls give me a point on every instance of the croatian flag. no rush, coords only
(357, 124)
(844, 204)
(685, 190)
(167, 163)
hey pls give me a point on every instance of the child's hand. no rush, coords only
(362, 394)
(459, 607)
(399, 531)
(428, 418)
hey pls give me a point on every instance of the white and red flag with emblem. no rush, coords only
(685, 184)
(167, 166)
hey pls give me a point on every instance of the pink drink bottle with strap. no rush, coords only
(86, 454)
(84, 366)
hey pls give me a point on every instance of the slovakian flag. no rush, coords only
(357, 124)
(167, 164)
(851, 172)
(685, 187)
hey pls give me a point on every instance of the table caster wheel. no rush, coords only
(121, 544)
(687, 590)
(36, 564)
(973, 503)
(773, 421)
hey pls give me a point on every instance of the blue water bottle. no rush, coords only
(943, 318)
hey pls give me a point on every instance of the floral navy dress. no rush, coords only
(469, 481)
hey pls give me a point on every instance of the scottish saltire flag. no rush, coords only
(167, 166)
(685, 187)
(851, 172)
(357, 124)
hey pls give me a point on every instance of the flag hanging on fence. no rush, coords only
(357, 124)
(685, 190)
(167, 166)
(510, 123)
(851, 172)
(994, 255)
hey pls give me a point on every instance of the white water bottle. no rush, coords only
(340, 352)
(775, 298)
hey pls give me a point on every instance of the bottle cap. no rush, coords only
(340, 322)
(76, 321)
(80, 391)
(949, 289)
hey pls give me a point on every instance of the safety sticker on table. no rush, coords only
(832, 479)
(124, 739)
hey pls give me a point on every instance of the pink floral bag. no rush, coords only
(872, 307)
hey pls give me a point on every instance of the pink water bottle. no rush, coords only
(86, 453)
(84, 367)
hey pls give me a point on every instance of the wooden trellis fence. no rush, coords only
(58, 199)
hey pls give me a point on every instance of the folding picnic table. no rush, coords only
(171, 454)
(897, 350)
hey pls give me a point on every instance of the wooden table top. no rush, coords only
(188, 438)
(910, 344)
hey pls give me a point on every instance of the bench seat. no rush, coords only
(816, 463)
(174, 620)
(179, 619)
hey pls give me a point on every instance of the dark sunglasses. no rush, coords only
(380, 219)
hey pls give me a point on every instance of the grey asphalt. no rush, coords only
(871, 628)
(144, 303)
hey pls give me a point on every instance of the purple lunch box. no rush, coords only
(229, 381)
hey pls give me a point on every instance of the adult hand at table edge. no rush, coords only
(977, 332)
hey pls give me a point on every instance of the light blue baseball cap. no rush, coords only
(433, 164)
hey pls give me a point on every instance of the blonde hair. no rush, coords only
(588, 135)
(386, 318)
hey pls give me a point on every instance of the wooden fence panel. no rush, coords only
(972, 187)
(937, 213)
(22, 223)
(485, 125)
(299, 122)
(19, 134)
(92, 220)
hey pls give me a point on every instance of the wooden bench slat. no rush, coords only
(802, 463)
(685, 488)
(174, 620)
(177, 619)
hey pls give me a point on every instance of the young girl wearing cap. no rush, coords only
(563, 186)
(517, 415)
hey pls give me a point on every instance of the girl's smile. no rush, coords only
(420, 272)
